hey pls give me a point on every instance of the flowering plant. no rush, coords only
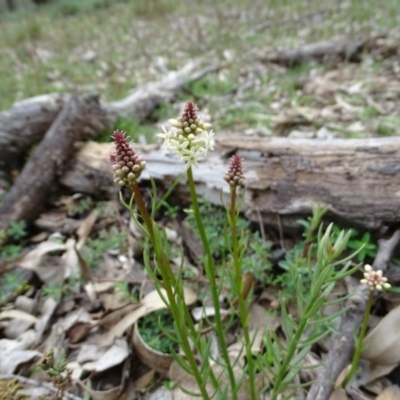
(217, 374)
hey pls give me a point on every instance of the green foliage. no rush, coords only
(78, 207)
(326, 266)
(134, 128)
(211, 86)
(128, 293)
(363, 244)
(257, 255)
(298, 257)
(17, 230)
(152, 328)
(106, 240)
(12, 284)
(58, 290)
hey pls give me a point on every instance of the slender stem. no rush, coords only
(169, 283)
(243, 311)
(293, 346)
(359, 344)
(209, 270)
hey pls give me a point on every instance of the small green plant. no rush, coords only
(60, 290)
(56, 368)
(12, 284)
(128, 293)
(156, 328)
(106, 241)
(80, 206)
(16, 232)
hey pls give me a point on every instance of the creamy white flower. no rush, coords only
(374, 279)
(188, 137)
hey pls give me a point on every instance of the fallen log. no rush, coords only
(357, 179)
(341, 49)
(27, 121)
(37, 180)
(25, 124)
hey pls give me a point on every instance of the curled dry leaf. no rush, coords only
(154, 359)
(382, 344)
(114, 356)
(33, 261)
(390, 393)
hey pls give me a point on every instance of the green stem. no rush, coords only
(169, 283)
(243, 311)
(293, 346)
(209, 270)
(359, 344)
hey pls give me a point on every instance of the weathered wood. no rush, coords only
(343, 49)
(25, 124)
(47, 163)
(27, 121)
(357, 179)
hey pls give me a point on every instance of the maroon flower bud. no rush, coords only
(235, 175)
(126, 163)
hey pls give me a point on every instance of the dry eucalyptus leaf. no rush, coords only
(70, 259)
(10, 361)
(114, 356)
(33, 259)
(17, 314)
(338, 394)
(111, 394)
(382, 344)
(379, 371)
(48, 308)
(154, 359)
(85, 228)
(390, 393)
(145, 380)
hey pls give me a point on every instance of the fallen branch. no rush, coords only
(353, 178)
(27, 121)
(343, 344)
(31, 382)
(343, 49)
(47, 163)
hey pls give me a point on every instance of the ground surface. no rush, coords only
(112, 47)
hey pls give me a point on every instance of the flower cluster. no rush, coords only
(189, 137)
(235, 175)
(127, 165)
(374, 279)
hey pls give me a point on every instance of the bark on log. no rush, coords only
(27, 121)
(25, 124)
(357, 179)
(36, 181)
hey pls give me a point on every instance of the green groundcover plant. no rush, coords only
(313, 273)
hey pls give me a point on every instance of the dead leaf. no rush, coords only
(114, 356)
(154, 359)
(382, 344)
(338, 394)
(390, 393)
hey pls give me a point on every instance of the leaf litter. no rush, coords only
(94, 320)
